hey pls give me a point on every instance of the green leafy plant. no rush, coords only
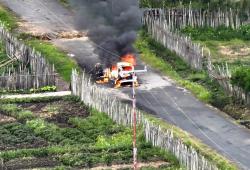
(43, 89)
(241, 78)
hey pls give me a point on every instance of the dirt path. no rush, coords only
(128, 166)
(158, 95)
(6, 119)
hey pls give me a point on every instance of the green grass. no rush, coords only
(63, 63)
(8, 19)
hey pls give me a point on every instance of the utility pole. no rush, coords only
(134, 80)
(134, 125)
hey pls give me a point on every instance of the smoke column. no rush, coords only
(111, 24)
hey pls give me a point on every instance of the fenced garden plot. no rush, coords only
(33, 70)
(75, 136)
(101, 100)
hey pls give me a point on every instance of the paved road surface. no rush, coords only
(157, 94)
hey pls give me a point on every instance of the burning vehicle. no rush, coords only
(121, 74)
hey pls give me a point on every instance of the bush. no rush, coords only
(241, 78)
(25, 115)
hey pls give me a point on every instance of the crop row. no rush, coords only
(86, 142)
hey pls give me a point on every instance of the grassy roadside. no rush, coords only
(169, 64)
(10, 22)
(63, 64)
(221, 162)
(8, 19)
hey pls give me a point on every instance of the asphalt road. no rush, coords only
(157, 94)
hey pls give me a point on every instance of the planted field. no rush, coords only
(226, 44)
(66, 133)
(234, 51)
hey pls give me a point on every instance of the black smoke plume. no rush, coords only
(111, 24)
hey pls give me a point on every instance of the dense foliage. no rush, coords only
(241, 78)
(220, 33)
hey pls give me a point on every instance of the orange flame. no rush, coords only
(130, 58)
(114, 67)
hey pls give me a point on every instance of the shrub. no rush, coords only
(241, 78)
(25, 115)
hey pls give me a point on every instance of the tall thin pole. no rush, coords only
(134, 128)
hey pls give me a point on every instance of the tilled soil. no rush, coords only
(58, 112)
(30, 163)
(158, 164)
(6, 119)
(35, 144)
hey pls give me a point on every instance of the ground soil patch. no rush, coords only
(149, 165)
(6, 119)
(235, 51)
(30, 163)
(58, 112)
